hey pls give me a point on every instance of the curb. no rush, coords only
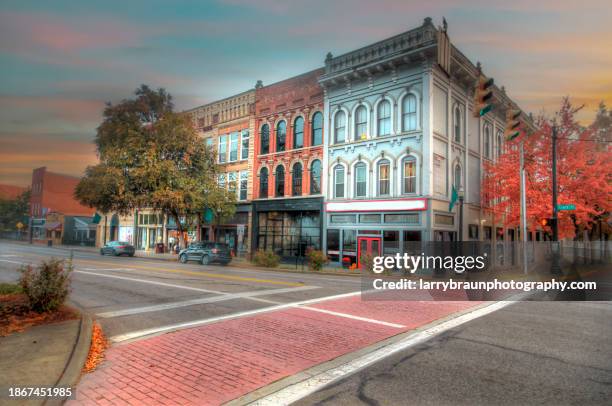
(72, 372)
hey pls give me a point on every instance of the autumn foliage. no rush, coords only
(99, 344)
(584, 175)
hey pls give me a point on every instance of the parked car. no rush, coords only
(117, 248)
(206, 252)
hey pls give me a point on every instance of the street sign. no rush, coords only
(566, 207)
(20, 225)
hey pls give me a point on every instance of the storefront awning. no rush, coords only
(377, 205)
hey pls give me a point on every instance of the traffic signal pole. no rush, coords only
(523, 205)
(555, 268)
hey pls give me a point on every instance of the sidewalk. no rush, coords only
(48, 355)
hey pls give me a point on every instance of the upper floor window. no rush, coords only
(221, 180)
(487, 141)
(244, 150)
(339, 181)
(339, 127)
(500, 145)
(457, 124)
(409, 175)
(384, 118)
(231, 181)
(409, 113)
(297, 179)
(298, 133)
(265, 139)
(361, 123)
(317, 128)
(244, 182)
(281, 135)
(263, 182)
(361, 180)
(457, 177)
(384, 178)
(234, 146)
(280, 181)
(315, 177)
(222, 149)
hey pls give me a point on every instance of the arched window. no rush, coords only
(499, 144)
(361, 180)
(339, 181)
(409, 113)
(361, 123)
(263, 182)
(487, 141)
(457, 126)
(339, 127)
(317, 128)
(281, 135)
(298, 133)
(265, 139)
(296, 179)
(315, 177)
(384, 178)
(457, 177)
(280, 181)
(409, 177)
(384, 118)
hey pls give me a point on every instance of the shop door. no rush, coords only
(367, 246)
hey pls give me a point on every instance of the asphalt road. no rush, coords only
(551, 353)
(134, 294)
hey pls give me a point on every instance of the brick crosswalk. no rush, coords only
(215, 363)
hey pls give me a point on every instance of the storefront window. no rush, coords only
(390, 242)
(333, 244)
(349, 245)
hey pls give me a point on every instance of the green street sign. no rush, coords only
(566, 207)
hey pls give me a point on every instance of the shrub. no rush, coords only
(46, 286)
(9, 289)
(367, 263)
(316, 260)
(266, 258)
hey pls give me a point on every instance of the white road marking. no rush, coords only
(317, 382)
(108, 269)
(213, 299)
(12, 262)
(169, 285)
(350, 316)
(173, 327)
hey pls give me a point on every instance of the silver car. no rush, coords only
(117, 248)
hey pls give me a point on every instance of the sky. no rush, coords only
(60, 61)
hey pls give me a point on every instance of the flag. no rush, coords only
(453, 200)
(96, 218)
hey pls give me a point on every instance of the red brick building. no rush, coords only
(52, 194)
(287, 167)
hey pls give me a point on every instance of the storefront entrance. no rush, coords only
(367, 246)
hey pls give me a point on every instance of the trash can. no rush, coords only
(159, 248)
(49, 243)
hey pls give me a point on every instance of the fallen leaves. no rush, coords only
(16, 316)
(99, 344)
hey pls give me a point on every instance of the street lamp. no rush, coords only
(461, 196)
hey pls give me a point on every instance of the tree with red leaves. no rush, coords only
(584, 176)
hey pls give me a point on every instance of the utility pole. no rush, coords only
(555, 268)
(523, 205)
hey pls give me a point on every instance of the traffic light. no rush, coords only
(482, 97)
(547, 222)
(512, 124)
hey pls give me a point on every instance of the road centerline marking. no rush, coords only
(192, 302)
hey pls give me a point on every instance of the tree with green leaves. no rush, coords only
(151, 157)
(14, 211)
